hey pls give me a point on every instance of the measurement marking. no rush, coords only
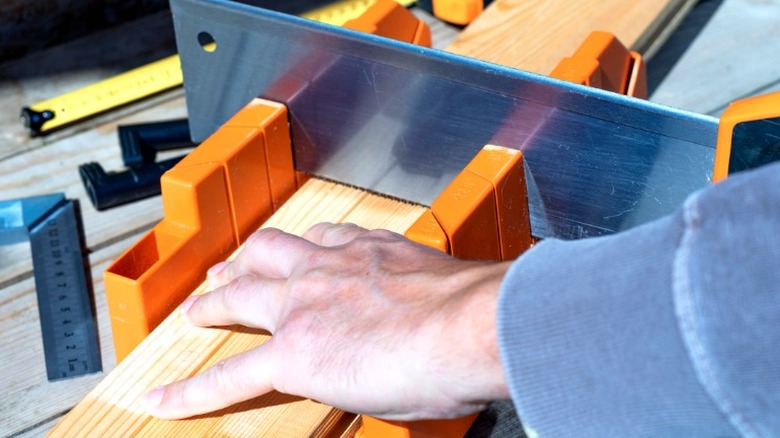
(65, 302)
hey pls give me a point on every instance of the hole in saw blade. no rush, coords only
(207, 42)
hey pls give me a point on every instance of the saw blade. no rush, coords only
(403, 120)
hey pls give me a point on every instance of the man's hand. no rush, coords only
(366, 321)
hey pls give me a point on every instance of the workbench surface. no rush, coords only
(724, 50)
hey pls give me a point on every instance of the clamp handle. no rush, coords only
(748, 135)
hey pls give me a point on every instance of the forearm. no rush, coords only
(642, 333)
(593, 348)
(472, 335)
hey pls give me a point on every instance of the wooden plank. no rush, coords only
(536, 35)
(176, 350)
(38, 430)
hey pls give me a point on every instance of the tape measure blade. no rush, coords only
(65, 303)
(101, 96)
(155, 77)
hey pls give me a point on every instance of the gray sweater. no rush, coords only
(671, 329)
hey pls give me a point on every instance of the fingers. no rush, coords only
(328, 234)
(272, 253)
(268, 253)
(238, 378)
(249, 301)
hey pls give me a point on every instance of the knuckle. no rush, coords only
(383, 235)
(264, 236)
(339, 234)
(319, 228)
(317, 258)
(234, 293)
(313, 281)
(311, 285)
(255, 237)
(221, 380)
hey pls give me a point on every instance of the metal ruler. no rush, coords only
(62, 282)
(150, 79)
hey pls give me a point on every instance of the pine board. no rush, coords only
(175, 349)
(535, 35)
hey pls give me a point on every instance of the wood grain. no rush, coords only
(176, 350)
(535, 36)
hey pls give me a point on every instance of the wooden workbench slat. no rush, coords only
(28, 398)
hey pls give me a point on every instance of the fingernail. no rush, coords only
(216, 269)
(186, 304)
(153, 398)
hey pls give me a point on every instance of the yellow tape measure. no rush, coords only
(148, 80)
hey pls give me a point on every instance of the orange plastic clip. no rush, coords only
(390, 19)
(747, 135)
(482, 214)
(603, 62)
(206, 218)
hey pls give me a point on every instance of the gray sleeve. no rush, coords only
(669, 329)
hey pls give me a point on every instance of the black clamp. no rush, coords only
(140, 144)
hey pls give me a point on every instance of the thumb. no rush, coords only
(233, 380)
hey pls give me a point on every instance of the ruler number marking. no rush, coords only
(67, 322)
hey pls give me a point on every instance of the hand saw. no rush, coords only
(402, 120)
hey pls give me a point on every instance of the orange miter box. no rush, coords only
(215, 197)
(603, 62)
(206, 218)
(481, 215)
(390, 19)
(747, 122)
